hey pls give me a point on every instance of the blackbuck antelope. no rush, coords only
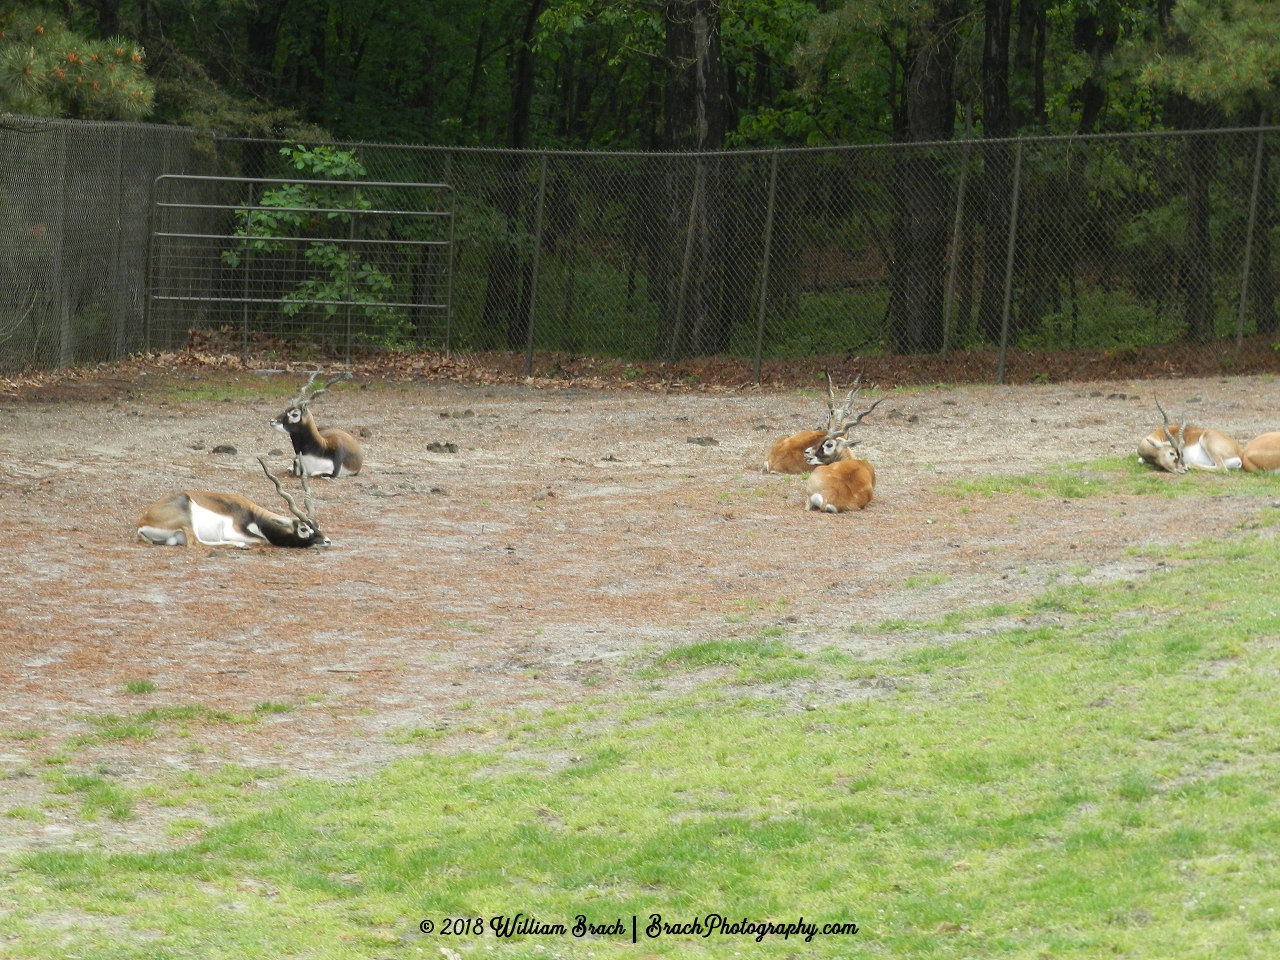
(1183, 448)
(327, 453)
(839, 480)
(230, 520)
(1263, 453)
(787, 455)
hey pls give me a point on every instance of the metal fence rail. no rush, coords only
(1045, 243)
(340, 261)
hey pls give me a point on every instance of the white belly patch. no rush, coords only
(313, 465)
(1197, 456)
(214, 528)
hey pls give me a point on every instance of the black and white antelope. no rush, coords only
(327, 453)
(230, 520)
(787, 455)
(840, 481)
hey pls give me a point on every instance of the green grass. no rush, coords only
(140, 686)
(1110, 476)
(150, 723)
(26, 813)
(237, 389)
(925, 580)
(765, 660)
(1097, 779)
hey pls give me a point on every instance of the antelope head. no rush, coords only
(305, 527)
(1169, 452)
(838, 426)
(299, 406)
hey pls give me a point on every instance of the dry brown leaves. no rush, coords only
(220, 350)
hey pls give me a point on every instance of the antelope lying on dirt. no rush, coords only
(1183, 448)
(840, 481)
(327, 453)
(787, 455)
(229, 520)
(1263, 453)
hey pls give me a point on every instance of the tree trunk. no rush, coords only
(505, 316)
(1029, 55)
(997, 170)
(262, 39)
(695, 115)
(922, 188)
(695, 76)
(477, 65)
(108, 12)
(522, 80)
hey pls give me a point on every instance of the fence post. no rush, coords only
(118, 340)
(533, 279)
(764, 260)
(1008, 263)
(677, 330)
(351, 253)
(448, 289)
(60, 280)
(1248, 236)
(148, 290)
(949, 302)
(248, 232)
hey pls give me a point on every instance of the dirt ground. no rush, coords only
(572, 532)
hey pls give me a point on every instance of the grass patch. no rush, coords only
(147, 724)
(98, 796)
(33, 814)
(1094, 786)
(1110, 476)
(268, 706)
(925, 580)
(713, 653)
(140, 686)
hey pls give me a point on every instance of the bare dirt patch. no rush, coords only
(571, 532)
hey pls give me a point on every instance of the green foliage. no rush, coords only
(1105, 320)
(1220, 51)
(342, 276)
(50, 71)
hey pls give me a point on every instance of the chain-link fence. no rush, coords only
(1045, 243)
(74, 201)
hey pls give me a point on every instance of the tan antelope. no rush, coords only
(1262, 453)
(840, 481)
(229, 520)
(327, 453)
(787, 455)
(1184, 448)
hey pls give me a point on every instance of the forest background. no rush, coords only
(1121, 246)
(645, 74)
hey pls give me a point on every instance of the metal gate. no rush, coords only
(345, 263)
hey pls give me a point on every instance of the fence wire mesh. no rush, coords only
(1044, 243)
(74, 200)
